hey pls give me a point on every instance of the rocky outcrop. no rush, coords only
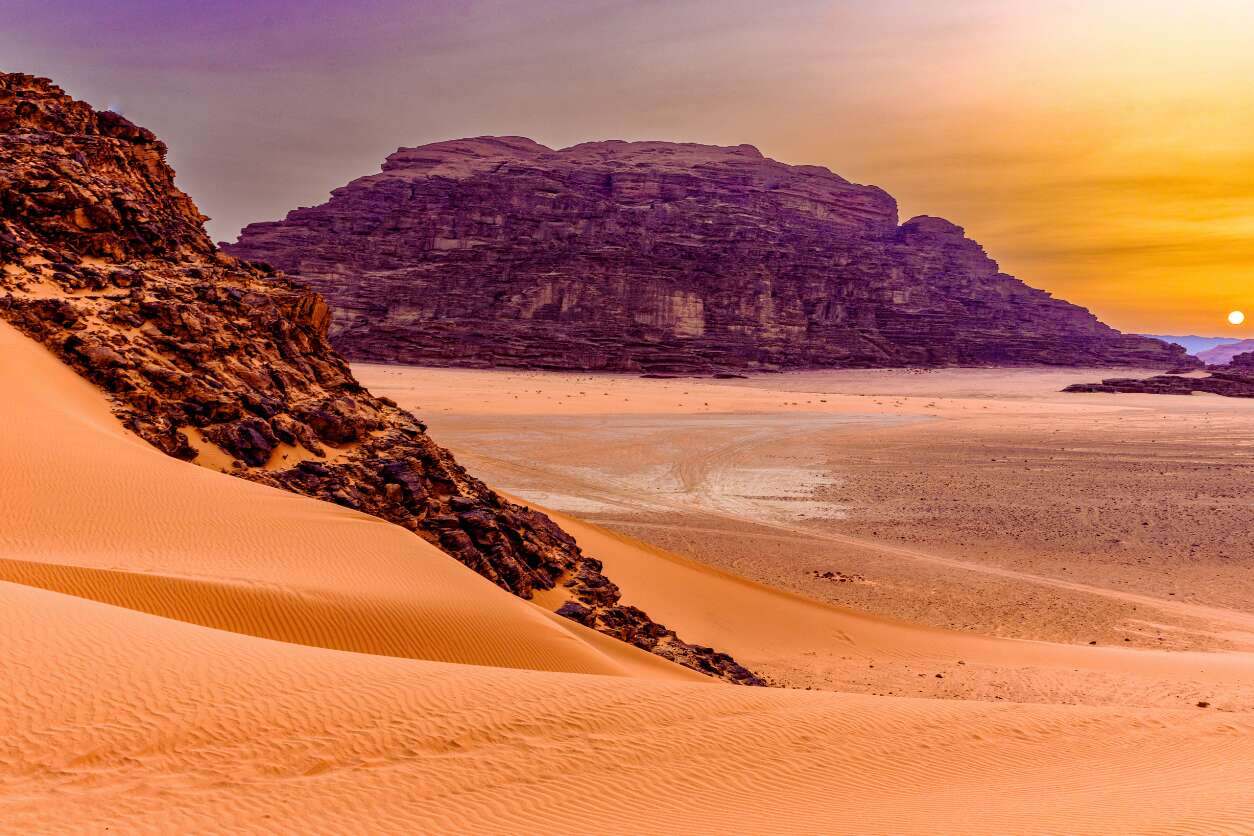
(209, 359)
(1224, 354)
(659, 257)
(1235, 380)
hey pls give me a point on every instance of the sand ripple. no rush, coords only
(185, 652)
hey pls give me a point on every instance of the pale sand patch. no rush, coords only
(804, 642)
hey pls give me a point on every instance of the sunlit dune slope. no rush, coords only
(112, 718)
(94, 512)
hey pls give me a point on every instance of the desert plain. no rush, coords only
(996, 519)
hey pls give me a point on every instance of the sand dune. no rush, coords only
(123, 720)
(183, 651)
(94, 512)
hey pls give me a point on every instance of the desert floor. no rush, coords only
(184, 651)
(983, 503)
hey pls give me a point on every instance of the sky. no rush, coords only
(1100, 149)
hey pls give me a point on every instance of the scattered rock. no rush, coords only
(837, 577)
(1235, 380)
(577, 612)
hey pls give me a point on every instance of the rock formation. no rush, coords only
(1235, 380)
(209, 359)
(1224, 354)
(660, 258)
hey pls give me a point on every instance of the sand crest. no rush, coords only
(97, 513)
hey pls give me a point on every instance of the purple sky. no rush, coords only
(1098, 148)
(270, 104)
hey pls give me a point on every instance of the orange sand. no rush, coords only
(184, 651)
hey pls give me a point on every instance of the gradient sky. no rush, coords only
(1100, 149)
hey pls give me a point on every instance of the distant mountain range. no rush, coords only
(1193, 343)
(1223, 354)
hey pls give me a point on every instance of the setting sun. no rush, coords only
(1236, 317)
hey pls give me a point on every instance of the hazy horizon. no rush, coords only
(1100, 151)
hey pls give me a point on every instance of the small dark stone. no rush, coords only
(577, 612)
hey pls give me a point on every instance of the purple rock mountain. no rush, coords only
(660, 257)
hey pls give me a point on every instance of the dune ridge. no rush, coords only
(94, 512)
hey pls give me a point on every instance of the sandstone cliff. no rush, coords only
(104, 261)
(660, 257)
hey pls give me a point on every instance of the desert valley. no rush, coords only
(637, 487)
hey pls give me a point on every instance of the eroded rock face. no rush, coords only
(660, 258)
(1234, 380)
(104, 261)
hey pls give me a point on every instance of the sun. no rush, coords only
(1236, 317)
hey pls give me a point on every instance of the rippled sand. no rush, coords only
(183, 652)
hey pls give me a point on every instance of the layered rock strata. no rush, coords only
(1235, 380)
(105, 261)
(659, 257)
